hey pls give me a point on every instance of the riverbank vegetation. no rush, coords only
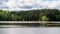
(30, 15)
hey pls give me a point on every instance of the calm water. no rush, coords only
(31, 30)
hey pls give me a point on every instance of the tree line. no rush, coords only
(30, 15)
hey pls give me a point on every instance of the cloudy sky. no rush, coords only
(29, 4)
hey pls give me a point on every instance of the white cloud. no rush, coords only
(50, 4)
(33, 4)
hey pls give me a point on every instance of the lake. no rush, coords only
(31, 30)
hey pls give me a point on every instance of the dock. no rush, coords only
(9, 24)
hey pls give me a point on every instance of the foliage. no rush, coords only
(30, 15)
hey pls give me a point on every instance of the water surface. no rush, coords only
(31, 30)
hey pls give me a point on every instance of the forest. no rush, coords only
(30, 15)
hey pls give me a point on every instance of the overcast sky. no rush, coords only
(29, 4)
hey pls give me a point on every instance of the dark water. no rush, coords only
(31, 30)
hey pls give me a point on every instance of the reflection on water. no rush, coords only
(32, 30)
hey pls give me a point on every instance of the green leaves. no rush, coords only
(44, 18)
(31, 15)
